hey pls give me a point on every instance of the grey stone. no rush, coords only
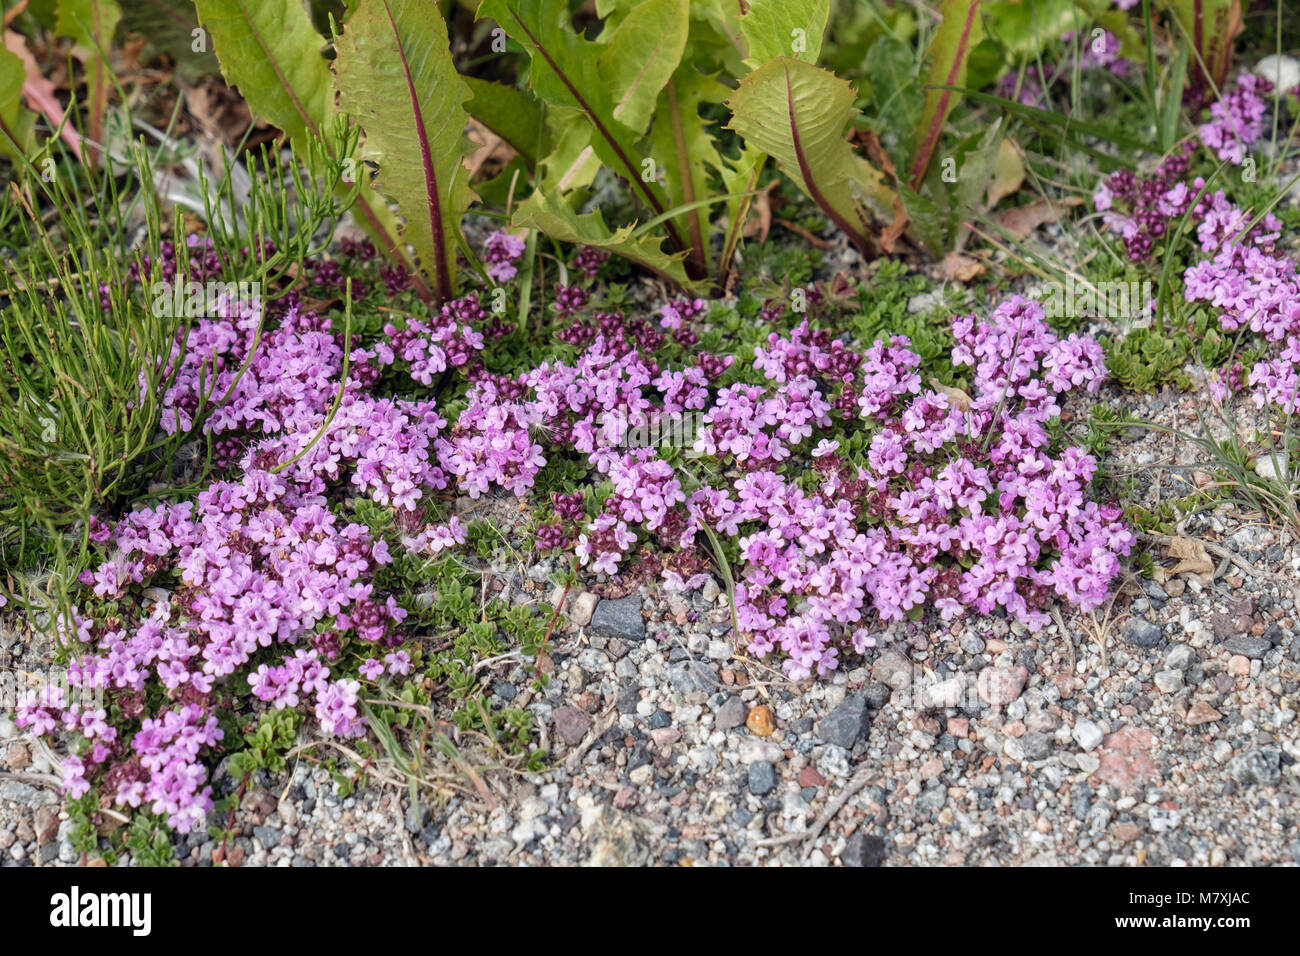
(1262, 766)
(892, 668)
(1042, 720)
(846, 724)
(719, 650)
(1247, 646)
(1037, 745)
(731, 714)
(1180, 657)
(17, 792)
(932, 799)
(269, 836)
(687, 676)
(756, 749)
(1170, 681)
(1162, 820)
(1142, 633)
(972, 643)
(762, 778)
(877, 694)
(658, 720)
(943, 694)
(1154, 590)
(863, 849)
(621, 618)
(628, 697)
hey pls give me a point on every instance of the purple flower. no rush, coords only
(399, 663)
(501, 251)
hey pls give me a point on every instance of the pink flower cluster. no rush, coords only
(262, 565)
(958, 505)
(954, 505)
(1246, 278)
(264, 578)
(1237, 118)
(491, 445)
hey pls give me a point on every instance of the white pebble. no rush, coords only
(1282, 71)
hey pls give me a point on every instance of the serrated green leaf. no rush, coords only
(565, 73)
(798, 113)
(792, 28)
(572, 163)
(957, 35)
(717, 30)
(641, 55)
(395, 75)
(273, 54)
(553, 217)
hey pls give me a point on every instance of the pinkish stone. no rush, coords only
(1000, 686)
(1126, 759)
(809, 777)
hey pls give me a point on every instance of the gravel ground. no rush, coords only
(1160, 733)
